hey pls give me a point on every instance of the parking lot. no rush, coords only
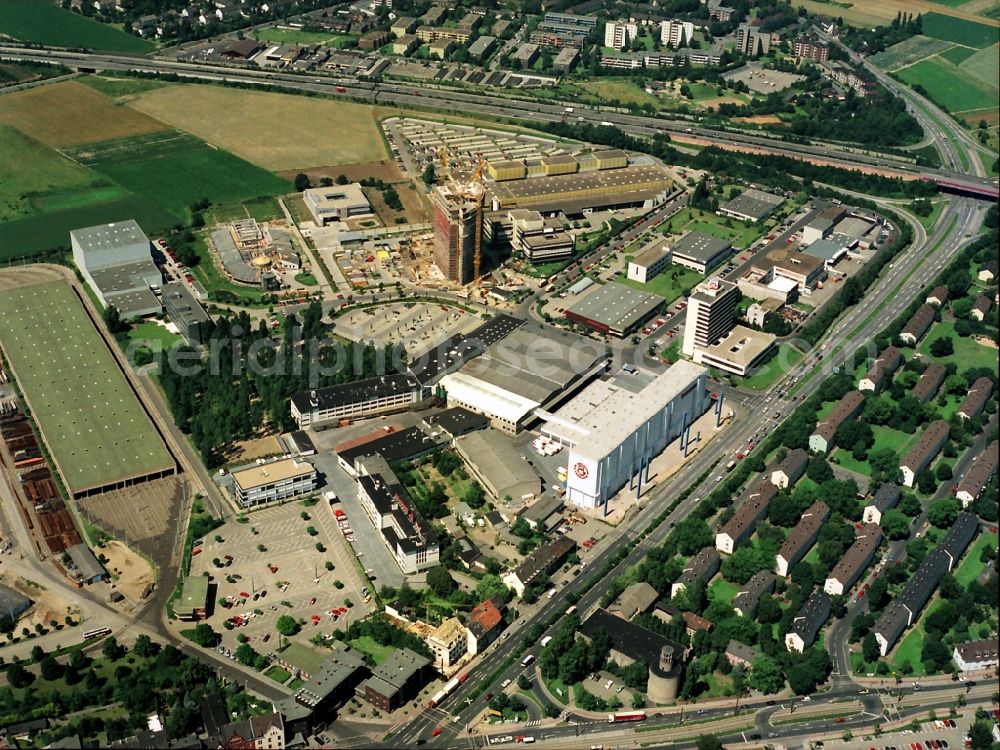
(289, 576)
(763, 80)
(932, 735)
(420, 326)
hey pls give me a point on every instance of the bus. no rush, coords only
(89, 635)
(571, 610)
(626, 716)
(527, 660)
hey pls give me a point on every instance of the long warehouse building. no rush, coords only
(614, 426)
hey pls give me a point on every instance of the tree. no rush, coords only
(910, 505)
(428, 174)
(943, 472)
(710, 742)
(819, 470)
(111, 650)
(765, 675)
(691, 534)
(895, 524)
(926, 483)
(943, 513)
(981, 735)
(287, 625)
(204, 635)
(342, 179)
(439, 581)
(113, 320)
(50, 668)
(18, 676)
(935, 655)
(942, 347)
(869, 646)
(301, 182)
(143, 647)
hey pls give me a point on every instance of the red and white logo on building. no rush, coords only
(581, 470)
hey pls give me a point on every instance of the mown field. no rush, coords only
(274, 131)
(173, 170)
(70, 113)
(912, 50)
(44, 22)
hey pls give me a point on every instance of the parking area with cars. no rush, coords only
(938, 734)
(272, 565)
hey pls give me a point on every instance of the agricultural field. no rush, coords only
(91, 419)
(912, 50)
(185, 170)
(960, 30)
(956, 54)
(71, 114)
(44, 22)
(121, 88)
(949, 85)
(274, 131)
(34, 177)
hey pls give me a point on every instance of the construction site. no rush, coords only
(256, 254)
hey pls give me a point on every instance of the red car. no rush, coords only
(436, 732)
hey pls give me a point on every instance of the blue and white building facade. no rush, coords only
(614, 428)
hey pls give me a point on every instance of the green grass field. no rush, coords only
(956, 54)
(696, 220)
(89, 416)
(116, 87)
(34, 234)
(294, 36)
(949, 85)
(787, 358)
(670, 283)
(32, 176)
(185, 170)
(378, 652)
(722, 590)
(967, 352)
(959, 30)
(885, 437)
(157, 336)
(44, 22)
(972, 567)
(984, 66)
(910, 51)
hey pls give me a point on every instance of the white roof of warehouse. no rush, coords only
(604, 414)
(486, 397)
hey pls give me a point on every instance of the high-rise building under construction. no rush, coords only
(458, 229)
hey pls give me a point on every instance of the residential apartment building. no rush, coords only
(751, 41)
(808, 622)
(448, 643)
(676, 33)
(976, 478)
(699, 569)
(847, 408)
(885, 365)
(746, 600)
(917, 325)
(886, 497)
(978, 396)
(808, 48)
(855, 561)
(974, 656)
(392, 512)
(933, 438)
(801, 538)
(791, 469)
(618, 34)
(744, 520)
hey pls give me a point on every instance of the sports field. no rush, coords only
(90, 418)
(295, 36)
(173, 170)
(274, 131)
(44, 22)
(70, 113)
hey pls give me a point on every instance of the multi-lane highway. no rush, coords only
(508, 106)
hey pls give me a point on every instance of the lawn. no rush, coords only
(972, 567)
(555, 685)
(186, 170)
(786, 359)
(33, 175)
(885, 437)
(306, 279)
(295, 36)
(696, 220)
(287, 132)
(376, 651)
(624, 91)
(959, 30)
(670, 284)
(723, 591)
(949, 85)
(44, 22)
(930, 220)
(91, 419)
(967, 352)
(154, 336)
(117, 88)
(70, 113)
(909, 651)
(278, 674)
(263, 208)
